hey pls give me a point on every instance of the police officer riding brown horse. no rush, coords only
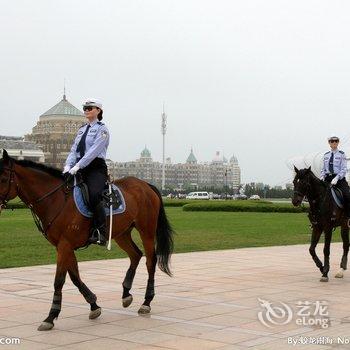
(45, 191)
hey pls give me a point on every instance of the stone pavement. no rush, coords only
(210, 303)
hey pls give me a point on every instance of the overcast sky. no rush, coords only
(264, 80)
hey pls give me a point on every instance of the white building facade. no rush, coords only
(219, 173)
(20, 149)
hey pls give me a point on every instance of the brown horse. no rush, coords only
(45, 192)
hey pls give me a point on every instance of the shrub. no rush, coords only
(245, 206)
(175, 202)
(15, 205)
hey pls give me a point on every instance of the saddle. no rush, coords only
(107, 198)
(81, 198)
(338, 197)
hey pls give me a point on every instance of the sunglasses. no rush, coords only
(88, 108)
(332, 141)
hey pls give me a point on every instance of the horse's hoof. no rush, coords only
(45, 326)
(95, 313)
(127, 301)
(340, 273)
(144, 309)
(324, 279)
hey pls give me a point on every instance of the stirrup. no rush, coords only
(97, 238)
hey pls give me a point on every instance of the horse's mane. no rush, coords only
(46, 169)
(313, 177)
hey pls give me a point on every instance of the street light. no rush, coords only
(164, 119)
(226, 183)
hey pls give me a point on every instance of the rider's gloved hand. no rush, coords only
(66, 169)
(74, 170)
(334, 181)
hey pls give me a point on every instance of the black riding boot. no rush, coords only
(99, 233)
(347, 213)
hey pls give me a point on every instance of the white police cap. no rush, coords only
(331, 138)
(93, 102)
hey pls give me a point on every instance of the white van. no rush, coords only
(198, 195)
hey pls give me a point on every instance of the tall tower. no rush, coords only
(164, 117)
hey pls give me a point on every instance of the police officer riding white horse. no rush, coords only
(334, 171)
(88, 155)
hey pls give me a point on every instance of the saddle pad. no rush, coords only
(338, 197)
(84, 210)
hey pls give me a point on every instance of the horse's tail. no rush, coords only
(164, 237)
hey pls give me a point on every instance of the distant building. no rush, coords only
(19, 149)
(56, 130)
(216, 174)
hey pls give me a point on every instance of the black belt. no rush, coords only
(96, 163)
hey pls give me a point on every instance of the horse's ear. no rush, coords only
(309, 169)
(5, 156)
(296, 169)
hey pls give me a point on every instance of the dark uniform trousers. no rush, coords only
(95, 176)
(344, 187)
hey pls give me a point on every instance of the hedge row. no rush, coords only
(244, 207)
(15, 205)
(175, 202)
(231, 206)
(181, 202)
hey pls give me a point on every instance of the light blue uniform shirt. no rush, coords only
(339, 164)
(96, 144)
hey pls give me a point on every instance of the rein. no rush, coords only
(37, 220)
(317, 204)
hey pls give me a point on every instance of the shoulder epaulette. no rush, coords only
(100, 123)
(327, 152)
(341, 151)
(82, 125)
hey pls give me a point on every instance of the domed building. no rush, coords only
(146, 156)
(55, 131)
(191, 159)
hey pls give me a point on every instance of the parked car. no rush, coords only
(198, 195)
(240, 196)
(215, 196)
(254, 197)
(224, 196)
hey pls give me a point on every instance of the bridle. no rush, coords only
(302, 195)
(3, 199)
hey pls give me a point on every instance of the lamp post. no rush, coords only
(226, 183)
(164, 119)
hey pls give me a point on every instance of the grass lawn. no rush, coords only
(23, 245)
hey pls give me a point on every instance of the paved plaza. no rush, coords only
(212, 302)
